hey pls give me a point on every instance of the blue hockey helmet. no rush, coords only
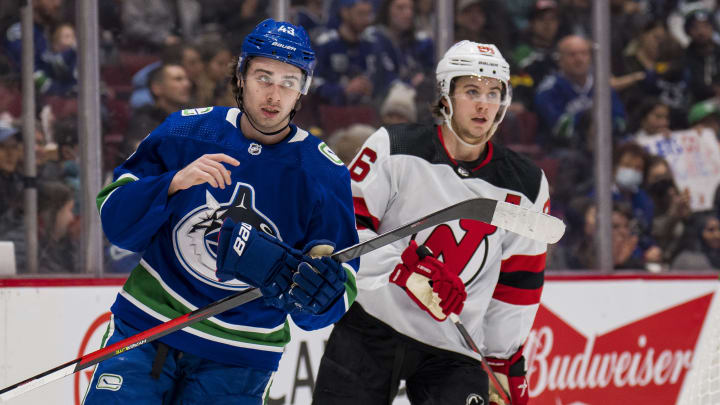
(281, 41)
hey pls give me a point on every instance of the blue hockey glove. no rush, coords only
(255, 258)
(317, 284)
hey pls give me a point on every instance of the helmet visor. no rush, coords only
(482, 89)
(287, 79)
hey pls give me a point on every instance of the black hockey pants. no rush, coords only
(365, 360)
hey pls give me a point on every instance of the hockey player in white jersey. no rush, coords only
(491, 278)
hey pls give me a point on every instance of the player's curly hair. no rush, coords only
(234, 79)
(437, 107)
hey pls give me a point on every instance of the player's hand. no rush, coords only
(317, 284)
(418, 268)
(207, 168)
(511, 375)
(255, 258)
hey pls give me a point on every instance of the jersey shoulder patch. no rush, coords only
(328, 153)
(195, 111)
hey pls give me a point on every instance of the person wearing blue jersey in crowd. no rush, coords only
(404, 53)
(55, 70)
(346, 57)
(218, 200)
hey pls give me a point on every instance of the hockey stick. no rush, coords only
(503, 215)
(471, 343)
(424, 251)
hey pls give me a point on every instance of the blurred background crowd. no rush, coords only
(376, 61)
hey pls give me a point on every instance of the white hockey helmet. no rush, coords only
(467, 58)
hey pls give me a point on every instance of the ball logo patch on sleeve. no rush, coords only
(111, 382)
(325, 150)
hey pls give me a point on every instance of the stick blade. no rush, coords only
(532, 224)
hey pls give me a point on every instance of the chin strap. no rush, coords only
(448, 121)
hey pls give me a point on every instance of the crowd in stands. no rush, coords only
(376, 61)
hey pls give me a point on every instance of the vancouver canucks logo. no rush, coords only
(195, 236)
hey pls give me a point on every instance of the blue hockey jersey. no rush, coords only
(340, 61)
(296, 190)
(55, 72)
(401, 60)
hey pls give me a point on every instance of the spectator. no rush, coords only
(425, 17)
(55, 72)
(231, 21)
(562, 97)
(652, 66)
(217, 59)
(533, 56)
(150, 25)
(677, 13)
(310, 15)
(399, 106)
(68, 150)
(333, 11)
(652, 117)
(346, 58)
(203, 88)
(574, 175)
(56, 239)
(346, 142)
(624, 239)
(703, 252)
(404, 53)
(671, 207)
(702, 56)
(189, 57)
(10, 177)
(170, 88)
(629, 163)
(472, 22)
(626, 20)
(63, 38)
(705, 114)
(576, 18)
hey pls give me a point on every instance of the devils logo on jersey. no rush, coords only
(195, 236)
(459, 254)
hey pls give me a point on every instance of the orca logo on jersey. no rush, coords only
(457, 255)
(195, 235)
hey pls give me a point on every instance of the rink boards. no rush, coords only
(596, 339)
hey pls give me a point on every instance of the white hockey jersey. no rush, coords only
(404, 172)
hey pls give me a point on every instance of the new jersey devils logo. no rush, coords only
(195, 236)
(457, 255)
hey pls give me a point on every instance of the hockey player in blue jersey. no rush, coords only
(219, 199)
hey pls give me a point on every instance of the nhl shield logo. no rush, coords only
(195, 236)
(254, 149)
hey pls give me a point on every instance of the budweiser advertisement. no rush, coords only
(622, 341)
(595, 340)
